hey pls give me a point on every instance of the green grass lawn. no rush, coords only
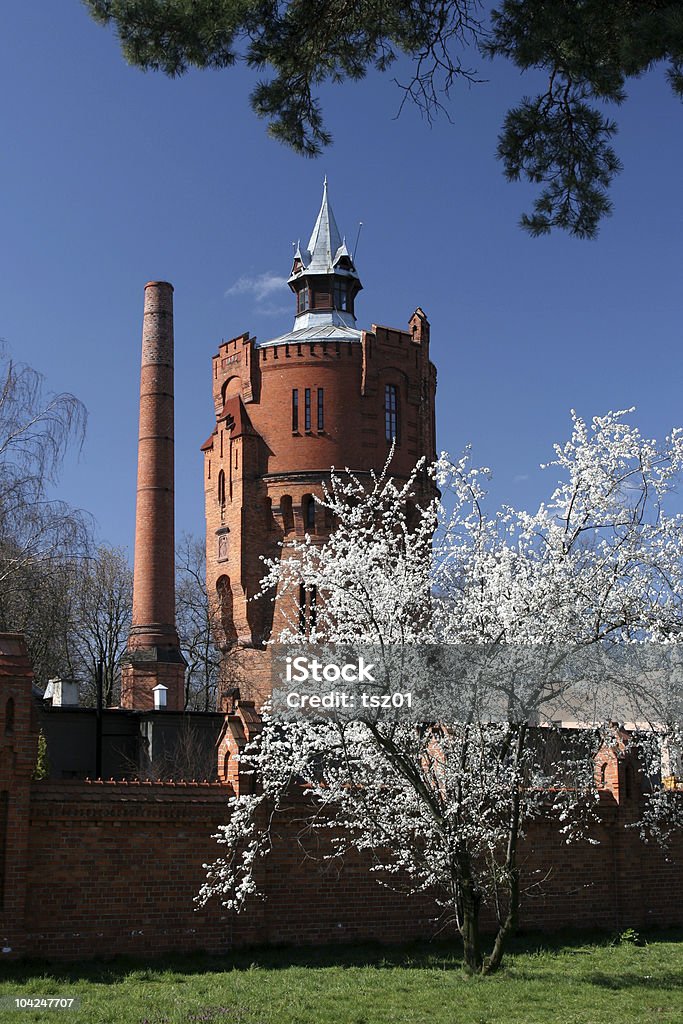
(572, 979)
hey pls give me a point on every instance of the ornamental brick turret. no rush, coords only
(287, 410)
(153, 654)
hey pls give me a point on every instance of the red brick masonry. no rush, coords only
(153, 655)
(96, 869)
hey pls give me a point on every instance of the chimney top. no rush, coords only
(159, 284)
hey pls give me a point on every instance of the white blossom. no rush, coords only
(444, 807)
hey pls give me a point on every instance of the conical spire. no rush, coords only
(325, 241)
(326, 252)
(325, 282)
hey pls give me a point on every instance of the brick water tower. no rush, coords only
(324, 394)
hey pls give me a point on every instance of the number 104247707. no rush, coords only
(39, 1003)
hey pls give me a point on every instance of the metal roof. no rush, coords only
(326, 248)
(325, 239)
(327, 326)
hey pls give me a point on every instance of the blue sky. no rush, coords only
(110, 177)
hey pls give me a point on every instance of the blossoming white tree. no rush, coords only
(443, 807)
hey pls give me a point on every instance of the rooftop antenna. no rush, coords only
(355, 248)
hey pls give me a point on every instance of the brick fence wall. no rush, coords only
(113, 868)
(97, 869)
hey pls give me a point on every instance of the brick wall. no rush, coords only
(153, 654)
(260, 473)
(113, 868)
(101, 868)
(18, 752)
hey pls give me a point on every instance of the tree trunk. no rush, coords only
(469, 929)
(508, 926)
(505, 930)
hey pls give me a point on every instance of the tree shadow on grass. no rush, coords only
(667, 980)
(425, 955)
(618, 982)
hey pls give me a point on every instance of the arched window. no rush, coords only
(227, 624)
(307, 409)
(392, 422)
(603, 773)
(321, 409)
(287, 513)
(231, 388)
(302, 609)
(308, 509)
(9, 715)
(308, 610)
(221, 489)
(295, 410)
(411, 514)
(313, 608)
(310, 514)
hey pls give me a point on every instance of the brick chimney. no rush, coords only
(153, 654)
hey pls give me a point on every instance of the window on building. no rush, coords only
(312, 609)
(302, 299)
(308, 598)
(295, 409)
(307, 409)
(321, 409)
(302, 609)
(221, 489)
(341, 295)
(391, 414)
(225, 609)
(309, 512)
(287, 513)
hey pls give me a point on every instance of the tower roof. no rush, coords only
(326, 256)
(325, 240)
(326, 247)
